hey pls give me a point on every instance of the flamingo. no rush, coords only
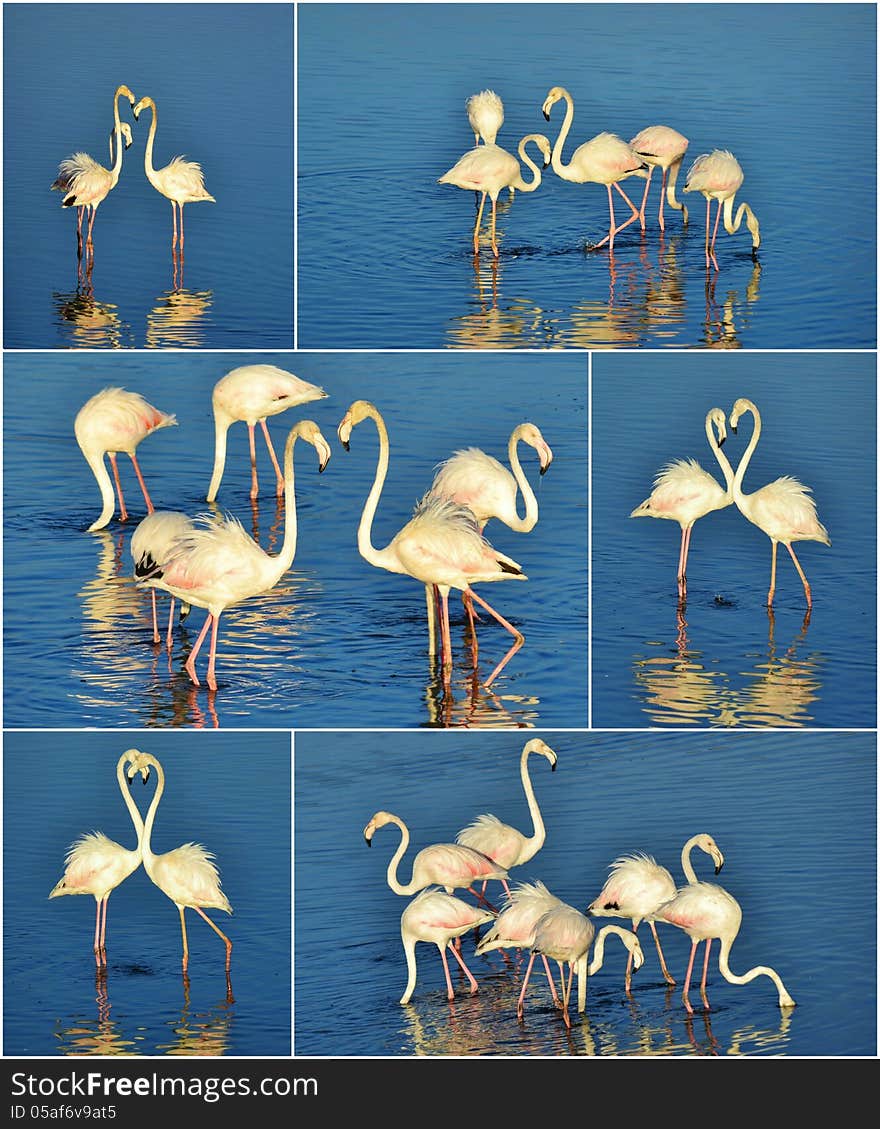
(438, 917)
(483, 484)
(218, 564)
(604, 159)
(719, 175)
(706, 911)
(84, 182)
(783, 508)
(638, 884)
(684, 492)
(180, 181)
(485, 112)
(187, 874)
(662, 147)
(514, 927)
(149, 547)
(565, 935)
(449, 865)
(440, 544)
(489, 168)
(252, 393)
(501, 842)
(96, 864)
(116, 420)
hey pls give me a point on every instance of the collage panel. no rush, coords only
(767, 822)
(208, 828)
(743, 457)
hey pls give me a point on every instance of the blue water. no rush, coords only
(725, 660)
(384, 254)
(229, 792)
(216, 107)
(337, 642)
(794, 815)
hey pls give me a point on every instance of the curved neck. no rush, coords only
(785, 999)
(599, 947)
(726, 468)
(528, 185)
(393, 880)
(129, 800)
(738, 495)
(556, 159)
(148, 152)
(732, 225)
(527, 523)
(409, 948)
(221, 426)
(146, 850)
(689, 872)
(108, 498)
(365, 545)
(117, 133)
(537, 839)
(284, 558)
(671, 199)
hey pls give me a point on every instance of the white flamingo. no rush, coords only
(150, 544)
(662, 147)
(485, 112)
(438, 917)
(719, 176)
(514, 927)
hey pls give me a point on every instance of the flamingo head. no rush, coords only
(307, 429)
(536, 745)
(716, 418)
(145, 101)
(740, 408)
(138, 762)
(124, 92)
(357, 413)
(553, 96)
(378, 820)
(531, 434)
(707, 843)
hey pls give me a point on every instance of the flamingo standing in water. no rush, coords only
(638, 885)
(514, 927)
(489, 168)
(150, 545)
(180, 181)
(783, 508)
(662, 147)
(719, 175)
(684, 492)
(252, 393)
(218, 564)
(187, 874)
(441, 544)
(438, 917)
(115, 420)
(485, 112)
(96, 864)
(604, 159)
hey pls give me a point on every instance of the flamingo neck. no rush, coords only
(785, 999)
(723, 462)
(148, 152)
(671, 199)
(146, 850)
(738, 496)
(95, 459)
(284, 559)
(409, 948)
(222, 423)
(393, 880)
(686, 865)
(599, 948)
(539, 834)
(559, 168)
(732, 225)
(129, 802)
(117, 133)
(527, 523)
(530, 185)
(367, 550)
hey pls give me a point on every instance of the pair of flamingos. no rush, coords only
(85, 183)
(783, 509)
(96, 864)
(604, 159)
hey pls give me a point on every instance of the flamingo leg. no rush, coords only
(446, 635)
(687, 979)
(772, 575)
(705, 974)
(467, 971)
(431, 597)
(218, 931)
(183, 933)
(803, 577)
(96, 948)
(174, 220)
(645, 198)
(190, 664)
(255, 489)
(667, 975)
(567, 993)
(662, 194)
(469, 608)
(123, 513)
(449, 992)
(92, 215)
(714, 236)
(551, 981)
(156, 635)
(518, 636)
(106, 899)
(477, 224)
(279, 477)
(522, 994)
(143, 485)
(494, 244)
(212, 681)
(181, 229)
(170, 623)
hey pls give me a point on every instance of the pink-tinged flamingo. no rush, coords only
(449, 865)
(684, 492)
(218, 564)
(441, 544)
(783, 508)
(187, 875)
(150, 544)
(514, 927)
(115, 420)
(485, 112)
(604, 159)
(489, 168)
(706, 911)
(662, 147)
(252, 393)
(438, 917)
(719, 175)
(565, 935)
(180, 181)
(96, 864)
(637, 885)
(508, 846)
(84, 182)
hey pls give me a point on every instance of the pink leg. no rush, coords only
(140, 478)
(97, 945)
(477, 224)
(518, 636)
(155, 621)
(705, 974)
(667, 976)
(91, 225)
(190, 664)
(714, 236)
(494, 244)
(170, 623)
(255, 489)
(181, 229)
(803, 577)
(445, 634)
(686, 544)
(662, 194)
(219, 933)
(174, 220)
(522, 994)
(566, 995)
(687, 979)
(279, 477)
(772, 575)
(708, 213)
(123, 513)
(104, 926)
(645, 197)
(633, 209)
(551, 982)
(212, 681)
(465, 968)
(449, 992)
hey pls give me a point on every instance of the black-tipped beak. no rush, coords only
(546, 165)
(546, 116)
(553, 767)
(718, 869)
(369, 842)
(721, 442)
(543, 471)
(345, 445)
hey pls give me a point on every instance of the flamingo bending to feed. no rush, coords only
(252, 393)
(684, 492)
(719, 175)
(514, 927)
(565, 935)
(115, 420)
(783, 508)
(706, 911)
(449, 865)
(638, 885)
(489, 168)
(485, 112)
(96, 864)
(218, 564)
(150, 544)
(441, 544)
(187, 874)
(501, 842)
(604, 159)
(662, 147)
(438, 917)
(180, 181)
(85, 182)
